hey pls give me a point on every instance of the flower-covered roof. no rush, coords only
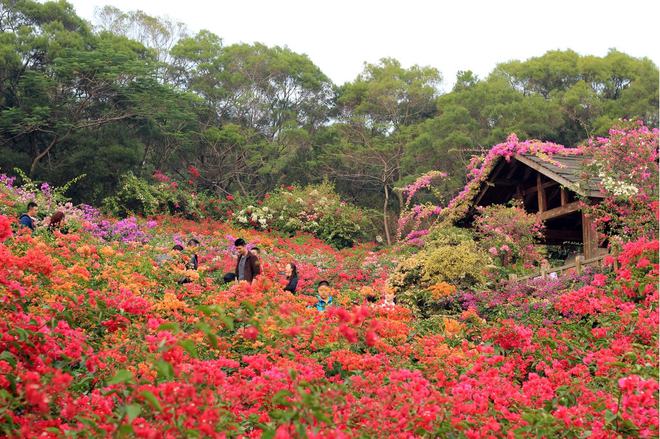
(550, 158)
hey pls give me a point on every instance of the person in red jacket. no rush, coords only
(247, 264)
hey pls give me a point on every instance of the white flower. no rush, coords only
(379, 239)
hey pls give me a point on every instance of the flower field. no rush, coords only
(99, 340)
(100, 337)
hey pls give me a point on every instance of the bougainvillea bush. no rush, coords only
(627, 165)
(99, 339)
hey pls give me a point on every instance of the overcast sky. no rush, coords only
(340, 35)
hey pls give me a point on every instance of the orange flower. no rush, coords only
(442, 289)
(107, 251)
(170, 303)
(453, 327)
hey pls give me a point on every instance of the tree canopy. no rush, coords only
(136, 93)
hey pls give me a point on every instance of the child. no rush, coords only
(324, 294)
(388, 298)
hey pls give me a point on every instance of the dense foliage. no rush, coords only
(134, 93)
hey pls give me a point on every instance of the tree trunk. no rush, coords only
(385, 222)
(42, 154)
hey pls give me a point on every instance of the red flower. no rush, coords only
(5, 228)
(193, 171)
(230, 197)
(251, 333)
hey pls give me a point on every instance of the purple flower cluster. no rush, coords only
(127, 230)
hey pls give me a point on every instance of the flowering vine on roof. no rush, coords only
(477, 171)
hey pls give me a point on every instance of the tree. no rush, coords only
(377, 111)
(159, 34)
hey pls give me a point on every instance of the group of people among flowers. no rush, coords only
(29, 219)
(247, 269)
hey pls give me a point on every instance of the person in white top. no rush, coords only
(388, 298)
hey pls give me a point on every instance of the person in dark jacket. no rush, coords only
(291, 273)
(27, 219)
(193, 263)
(247, 267)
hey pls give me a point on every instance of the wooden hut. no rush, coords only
(550, 187)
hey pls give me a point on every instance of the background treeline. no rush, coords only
(135, 93)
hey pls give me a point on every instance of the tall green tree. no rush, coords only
(376, 112)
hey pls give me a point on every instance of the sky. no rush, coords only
(339, 36)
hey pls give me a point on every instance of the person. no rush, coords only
(247, 267)
(162, 258)
(256, 251)
(229, 277)
(56, 221)
(388, 298)
(291, 272)
(28, 219)
(324, 295)
(193, 263)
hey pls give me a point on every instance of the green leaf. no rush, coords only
(164, 369)
(125, 430)
(133, 411)
(228, 321)
(8, 357)
(206, 329)
(280, 398)
(209, 309)
(122, 376)
(172, 327)
(152, 400)
(190, 347)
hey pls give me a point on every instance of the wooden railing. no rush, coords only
(579, 263)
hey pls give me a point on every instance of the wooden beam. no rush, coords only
(534, 189)
(543, 201)
(553, 176)
(505, 182)
(487, 184)
(560, 211)
(564, 197)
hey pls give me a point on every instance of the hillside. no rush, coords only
(98, 339)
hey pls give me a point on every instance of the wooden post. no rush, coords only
(564, 197)
(543, 204)
(578, 263)
(589, 237)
